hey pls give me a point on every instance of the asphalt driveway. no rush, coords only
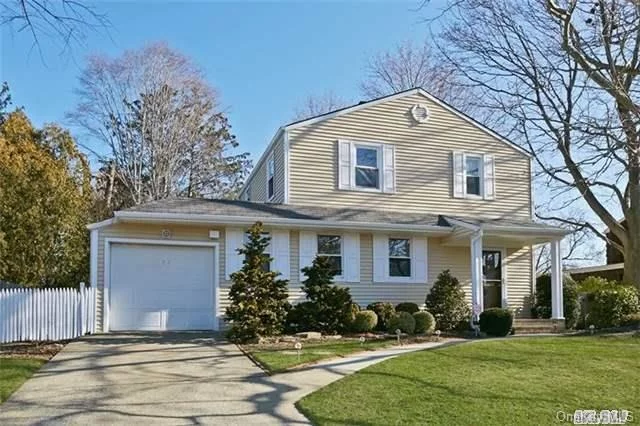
(177, 378)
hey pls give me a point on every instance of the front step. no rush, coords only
(537, 325)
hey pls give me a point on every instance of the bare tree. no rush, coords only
(161, 126)
(409, 65)
(566, 77)
(66, 21)
(318, 104)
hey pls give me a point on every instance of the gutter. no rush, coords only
(128, 216)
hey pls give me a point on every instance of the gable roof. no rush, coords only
(372, 102)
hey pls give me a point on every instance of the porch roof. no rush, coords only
(208, 211)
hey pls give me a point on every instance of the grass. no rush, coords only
(14, 372)
(276, 360)
(524, 381)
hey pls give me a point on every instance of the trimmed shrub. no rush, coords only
(364, 322)
(542, 300)
(403, 321)
(258, 298)
(496, 321)
(384, 311)
(329, 308)
(593, 284)
(609, 307)
(407, 307)
(446, 302)
(425, 322)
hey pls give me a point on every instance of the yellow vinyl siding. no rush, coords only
(423, 162)
(257, 187)
(456, 259)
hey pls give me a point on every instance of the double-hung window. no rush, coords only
(399, 257)
(367, 167)
(271, 170)
(473, 175)
(330, 246)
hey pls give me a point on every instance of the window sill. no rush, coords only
(370, 190)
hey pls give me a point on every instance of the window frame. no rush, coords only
(379, 165)
(480, 159)
(341, 255)
(411, 258)
(271, 181)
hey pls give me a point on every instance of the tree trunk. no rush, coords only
(632, 251)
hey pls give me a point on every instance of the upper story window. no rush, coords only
(330, 246)
(399, 257)
(367, 169)
(271, 169)
(366, 166)
(473, 176)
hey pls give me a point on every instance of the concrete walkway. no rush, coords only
(308, 379)
(177, 379)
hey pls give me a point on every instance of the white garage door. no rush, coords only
(161, 287)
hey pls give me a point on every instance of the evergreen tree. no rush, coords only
(328, 308)
(258, 298)
(446, 302)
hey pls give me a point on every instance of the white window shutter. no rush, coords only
(489, 177)
(458, 175)
(233, 240)
(389, 168)
(280, 253)
(308, 250)
(420, 260)
(380, 258)
(351, 257)
(344, 165)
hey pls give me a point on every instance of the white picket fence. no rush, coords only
(28, 314)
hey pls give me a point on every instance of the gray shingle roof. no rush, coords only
(266, 211)
(269, 211)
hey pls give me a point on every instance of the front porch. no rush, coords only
(488, 242)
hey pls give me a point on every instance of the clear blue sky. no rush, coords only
(264, 58)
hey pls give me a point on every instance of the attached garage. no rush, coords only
(160, 286)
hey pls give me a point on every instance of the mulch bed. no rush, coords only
(287, 342)
(40, 350)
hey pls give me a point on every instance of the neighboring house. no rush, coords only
(394, 190)
(614, 268)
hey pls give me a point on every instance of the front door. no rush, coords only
(492, 278)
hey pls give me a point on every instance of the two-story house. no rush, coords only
(394, 191)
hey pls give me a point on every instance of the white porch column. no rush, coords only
(557, 305)
(477, 296)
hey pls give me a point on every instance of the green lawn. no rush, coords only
(523, 381)
(280, 359)
(14, 372)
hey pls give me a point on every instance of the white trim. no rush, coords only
(287, 175)
(102, 224)
(270, 160)
(354, 165)
(93, 263)
(133, 216)
(106, 299)
(413, 278)
(587, 269)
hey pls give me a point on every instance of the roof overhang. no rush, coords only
(206, 219)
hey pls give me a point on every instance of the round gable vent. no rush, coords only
(420, 113)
